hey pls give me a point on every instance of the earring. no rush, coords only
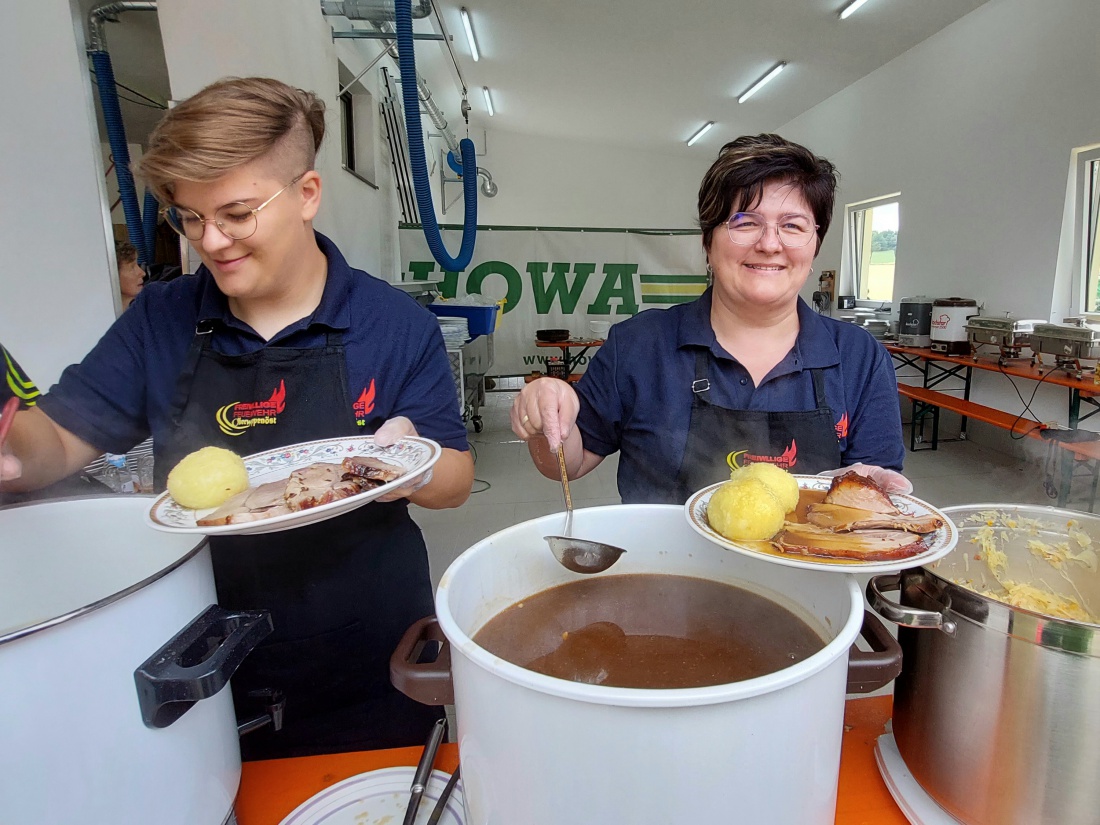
(709, 270)
(811, 270)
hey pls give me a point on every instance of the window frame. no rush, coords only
(852, 246)
(1086, 210)
(358, 151)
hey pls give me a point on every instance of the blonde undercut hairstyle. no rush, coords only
(228, 124)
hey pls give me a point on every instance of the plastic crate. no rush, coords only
(480, 320)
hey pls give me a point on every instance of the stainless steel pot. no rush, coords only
(997, 708)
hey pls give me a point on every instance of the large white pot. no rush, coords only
(88, 593)
(542, 751)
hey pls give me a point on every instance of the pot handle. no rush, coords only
(197, 662)
(426, 682)
(876, 668)
(902, 614)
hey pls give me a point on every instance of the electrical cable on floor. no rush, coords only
(1027, 404)
(475, 488)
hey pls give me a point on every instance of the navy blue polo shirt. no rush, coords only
(636, 394)
(123, 390)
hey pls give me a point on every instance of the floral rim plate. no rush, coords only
(940, 543)
(378, 798)
(415, 454)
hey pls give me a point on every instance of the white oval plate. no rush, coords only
(939, 543)
(415, 454)
(378, 798)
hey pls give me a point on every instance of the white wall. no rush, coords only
(57, 284)
(975, 127)
(550, 182)
(205, 40)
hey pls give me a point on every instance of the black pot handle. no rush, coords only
(870, 670)
(197, 662)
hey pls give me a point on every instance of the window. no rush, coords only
(357, 128)
(873, 242)
(1090, 237)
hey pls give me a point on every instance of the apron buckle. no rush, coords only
(700, 385)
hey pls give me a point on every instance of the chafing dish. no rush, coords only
(1069, 342)
(1010, 335)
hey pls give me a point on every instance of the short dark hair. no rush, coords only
(125, 252)
(736, 180)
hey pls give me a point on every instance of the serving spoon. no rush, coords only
(579, 555)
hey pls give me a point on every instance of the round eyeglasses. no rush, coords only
(235, 220)
(746, 228)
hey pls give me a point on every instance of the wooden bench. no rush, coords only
(928, 403)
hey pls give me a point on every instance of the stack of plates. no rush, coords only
(456, 331)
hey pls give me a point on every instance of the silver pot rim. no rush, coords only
(54, 621)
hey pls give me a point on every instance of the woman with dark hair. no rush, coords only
(746, 373)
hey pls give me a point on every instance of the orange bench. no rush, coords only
(928, 403)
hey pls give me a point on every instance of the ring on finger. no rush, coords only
(524, 421)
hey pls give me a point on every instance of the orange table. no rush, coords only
(271, 790)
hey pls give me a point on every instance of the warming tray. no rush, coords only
(1067, 342)
(1010, 334)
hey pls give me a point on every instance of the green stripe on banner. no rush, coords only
(668, 299)
(673, 279)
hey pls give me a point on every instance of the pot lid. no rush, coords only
(1005, 324)
(955, 302)
(1066, 332)
(59, 559)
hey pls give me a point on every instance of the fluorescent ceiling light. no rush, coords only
(488, 101)
(470, 32)
(758, 85)
(851, 8)
(702, 131)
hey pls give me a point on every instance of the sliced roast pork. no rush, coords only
(846, 519)
(312, 486)
(253, 504)
(866, 545)
(371, 469)
(860, 493)
(307, 487)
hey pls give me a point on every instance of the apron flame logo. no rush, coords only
(787, 459)
(842, 426)
(236, 418)
(365, 405)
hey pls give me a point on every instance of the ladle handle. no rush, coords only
(565, 484)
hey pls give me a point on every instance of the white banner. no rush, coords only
(562, 279)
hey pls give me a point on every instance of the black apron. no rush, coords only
(803, 441)
(340, 592)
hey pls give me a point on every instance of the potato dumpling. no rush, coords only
(745, 510)
(207, 478)
(782, 484)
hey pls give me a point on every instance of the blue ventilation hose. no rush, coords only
(407, 63)
(116, 137)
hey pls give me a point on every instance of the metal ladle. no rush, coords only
(579, 555)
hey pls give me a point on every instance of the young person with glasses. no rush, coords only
(274, 311)
(746, 373)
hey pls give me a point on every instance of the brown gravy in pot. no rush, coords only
(649, 631)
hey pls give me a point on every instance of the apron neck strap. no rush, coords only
(701, 385)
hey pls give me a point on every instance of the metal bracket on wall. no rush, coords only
(361, 34)
(444, 167)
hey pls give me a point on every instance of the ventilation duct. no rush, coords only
(374, 10)
(142, 233)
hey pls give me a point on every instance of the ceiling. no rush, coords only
(648, 73)
(642, 74)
